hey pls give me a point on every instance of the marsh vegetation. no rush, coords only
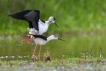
(82, 24)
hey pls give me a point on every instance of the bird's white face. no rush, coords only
(51, 19)
(55, 37)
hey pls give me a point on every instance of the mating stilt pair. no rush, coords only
(41, 40)
(36, 27)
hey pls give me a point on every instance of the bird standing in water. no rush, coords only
(36, 27)
(41, 40)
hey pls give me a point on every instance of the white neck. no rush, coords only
(50, 38)
(47, 22)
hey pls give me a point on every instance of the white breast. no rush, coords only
(40, 41)
(32, 31)
(43, 27)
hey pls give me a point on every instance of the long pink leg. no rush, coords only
(39, 52)
(34, 50)
(33, 56)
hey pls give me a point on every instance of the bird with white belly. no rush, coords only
(36, 26)
(42, 40)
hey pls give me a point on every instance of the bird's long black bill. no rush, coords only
(61, 39)
(56, 24)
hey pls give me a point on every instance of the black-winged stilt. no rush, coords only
(41, 40)
(36, 26)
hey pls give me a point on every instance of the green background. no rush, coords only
(82, 24)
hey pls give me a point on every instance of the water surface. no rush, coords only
(73, 46)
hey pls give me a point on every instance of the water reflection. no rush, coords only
(14, 57)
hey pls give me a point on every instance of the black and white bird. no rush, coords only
(42, 40)
(36, 26)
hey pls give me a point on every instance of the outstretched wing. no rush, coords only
(33, 17)
(20, 15)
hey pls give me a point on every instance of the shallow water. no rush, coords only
(73, 46)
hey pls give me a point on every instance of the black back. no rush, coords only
(40, 36)
(31, 16)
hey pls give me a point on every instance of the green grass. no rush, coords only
(64, 64)
(71, 15)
